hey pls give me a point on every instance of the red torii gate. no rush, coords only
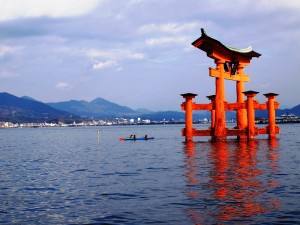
(230, 63)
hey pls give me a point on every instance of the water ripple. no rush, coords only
(64, 176)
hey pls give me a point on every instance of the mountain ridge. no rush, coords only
(26, 109)
(20, 109)
(98, 107)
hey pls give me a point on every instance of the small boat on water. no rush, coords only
(136, 139)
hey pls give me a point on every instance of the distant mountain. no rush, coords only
(101, 108)
(164, 115)
(264, 113)
(295, 110)
(98, 108)
(26, 109)
(18, 110)
(144, 111)
(29, 98)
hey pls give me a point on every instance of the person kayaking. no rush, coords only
(134, 137)
(146, 137)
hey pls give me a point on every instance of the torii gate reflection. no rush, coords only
(225, 182)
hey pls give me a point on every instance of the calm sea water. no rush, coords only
(67, 176)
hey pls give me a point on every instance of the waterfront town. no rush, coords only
(116, 121)
(284, 118)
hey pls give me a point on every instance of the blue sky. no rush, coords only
(138, 53)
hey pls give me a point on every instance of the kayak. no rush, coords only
(136, 139)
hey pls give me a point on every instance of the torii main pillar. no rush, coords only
(230, 63)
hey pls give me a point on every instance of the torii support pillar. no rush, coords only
(220, 123)
(241, 114)
(250, 113)
(189, 115)
(212, 112)
(271, 114)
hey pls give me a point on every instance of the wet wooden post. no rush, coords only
(271, 114)
(250, 113)
(188, 107)
(212, 112)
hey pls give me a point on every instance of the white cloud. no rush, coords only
(116, 54)
(15, 9)
(94, 53)
(242, 7)
(104, 59)
(105, 65)
(135, 56)
(6, 74)
(63, 86)
(277, 4)
(168, 27)
(4, 50)
(167, 41)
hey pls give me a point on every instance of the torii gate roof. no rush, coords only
(208, 44)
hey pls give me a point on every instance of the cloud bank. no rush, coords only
(139, 53)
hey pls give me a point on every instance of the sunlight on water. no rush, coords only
(69, 176)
